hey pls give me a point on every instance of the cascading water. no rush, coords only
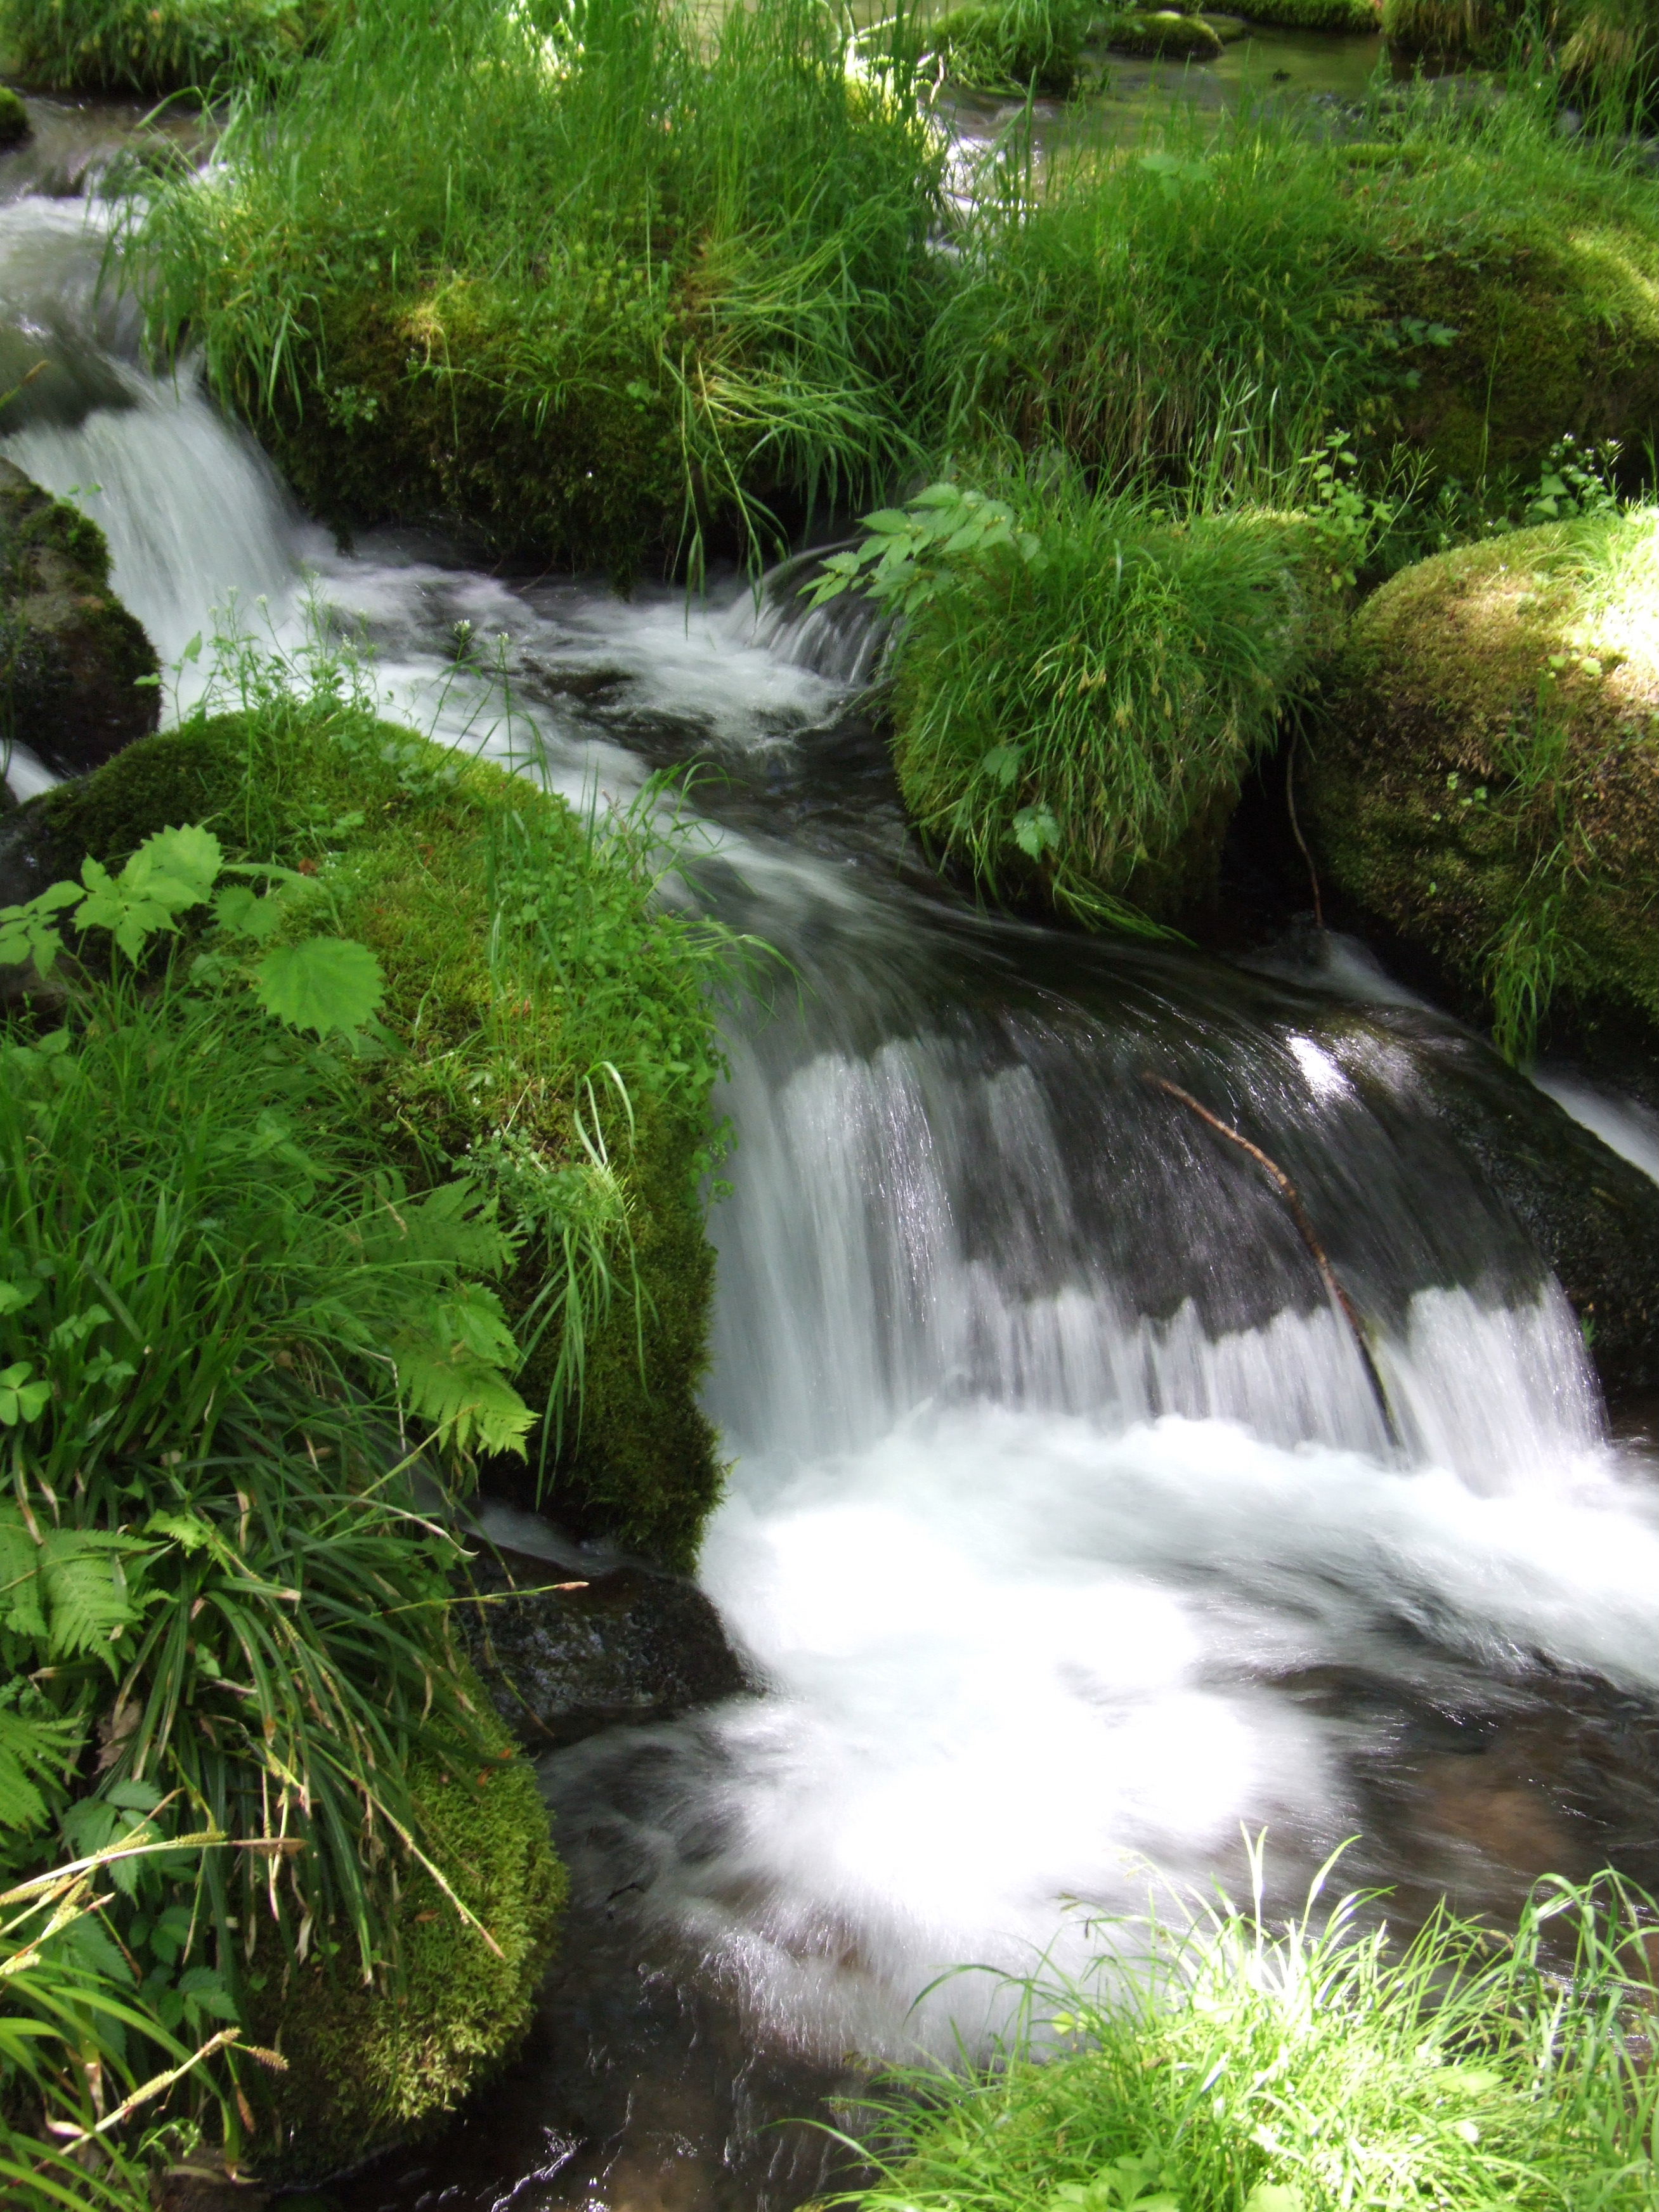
(1066, 1530)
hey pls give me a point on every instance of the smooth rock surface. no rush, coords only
(563, 1657)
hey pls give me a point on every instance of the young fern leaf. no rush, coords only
(452, 1371)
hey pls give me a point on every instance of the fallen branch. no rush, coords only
(1292, 1198)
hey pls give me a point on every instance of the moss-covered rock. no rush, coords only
(1162, 32)
(497, 1036)
(369, 2065)
(14, 118)
(1485, 781)
(78, 676)
(1553, 316)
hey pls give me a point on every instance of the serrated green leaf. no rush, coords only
(323, 983)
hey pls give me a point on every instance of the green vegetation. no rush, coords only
(14, 118)
(545, 273)
(1221, 299)
(359, 2070)
(1314, 14)
(1164, 31)
(1013, 46)
(1324, 2067)
(152, 45)
(1486, 780)
(336, 1120)
(1081, 682)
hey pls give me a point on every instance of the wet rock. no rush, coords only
(77, 670)
(14, 118)
(564, 1656)
(1592, 1217)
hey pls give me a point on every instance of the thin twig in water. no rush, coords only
(1296, 830)
(1292, 1198)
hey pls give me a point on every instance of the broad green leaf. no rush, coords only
(323, 983)
(245, 913)
(22, 1400)
(1275, 2197)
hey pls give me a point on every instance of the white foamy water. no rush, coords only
(1624, 1125)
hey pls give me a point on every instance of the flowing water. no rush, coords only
(1067, 1536)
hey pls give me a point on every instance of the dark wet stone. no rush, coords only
(77, 670)
(571, 1656)
(1593, 1218)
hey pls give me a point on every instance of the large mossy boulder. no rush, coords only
(1485, 778)
(369, 2064)
(78, 678)
(502, 1055)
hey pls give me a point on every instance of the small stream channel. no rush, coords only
(1065, 1540)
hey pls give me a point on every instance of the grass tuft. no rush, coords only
(1231, 2066)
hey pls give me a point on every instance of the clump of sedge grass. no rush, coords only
(543, 267)
(1209, 303)
(133, 46)
(1231, 2066)
(1080, 682)
(1013, 46)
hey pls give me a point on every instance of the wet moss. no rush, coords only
(1556, 318)
(1485, 781)
(460, 403)
(367, 2066)
(14, 118)
(407, 837)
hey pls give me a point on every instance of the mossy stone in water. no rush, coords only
(78, 676)
(407, 833)
(368, 2067)
(1161, 33)
(14, 118)
(1487, 779)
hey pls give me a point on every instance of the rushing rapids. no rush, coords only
(1067, 1531)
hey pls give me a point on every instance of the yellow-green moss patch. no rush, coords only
(367, 2066)
(1487, 779)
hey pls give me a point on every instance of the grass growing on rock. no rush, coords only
(1323, 2067)
(1013, 46)
(1080, 682)
(1216, 299)
(547, 272)
(555, 1042)
(149, 47)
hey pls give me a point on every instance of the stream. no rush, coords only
(1065, 1540)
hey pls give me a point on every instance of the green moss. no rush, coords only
(367, 2066)
(1162, 32)
(14, 118)
(1486, 780)
(151, 45)
(1556, 313)
(408, 841)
